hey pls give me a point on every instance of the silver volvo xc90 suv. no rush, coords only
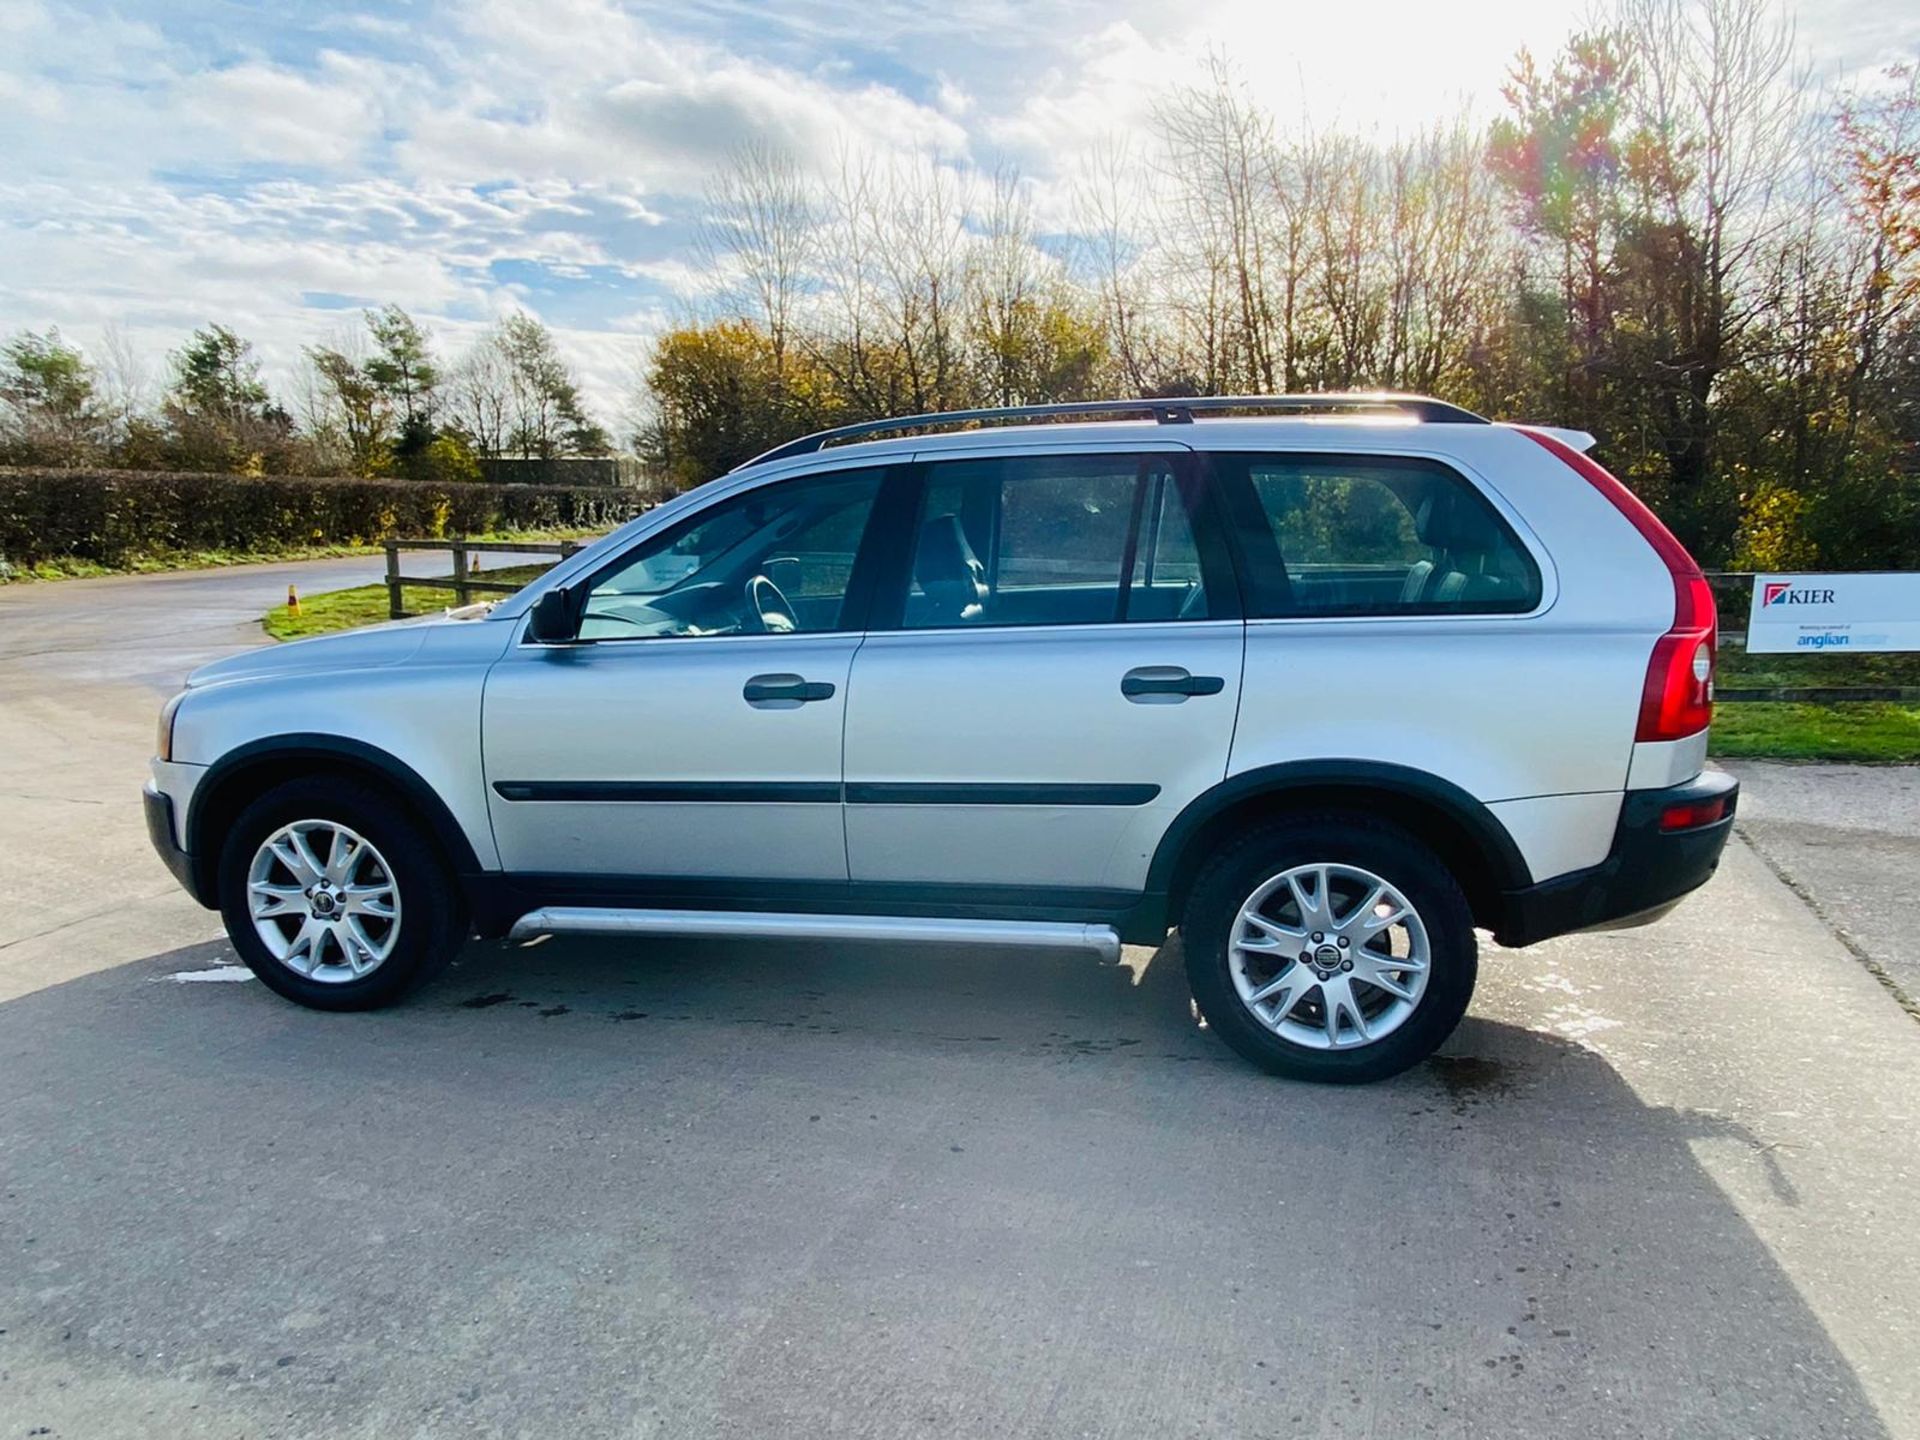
(1329, 682)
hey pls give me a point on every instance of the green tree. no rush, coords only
(402, 366)
(719, 395)
(1559, 157)
(219, 414)
(549, 418)
(215, 374)
(52, 414)
(403, 370)
(450, 459)
(357, 412)
(1044, 349)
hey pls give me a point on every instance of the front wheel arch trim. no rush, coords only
(318, 752)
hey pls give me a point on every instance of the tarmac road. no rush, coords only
(1660, 1184)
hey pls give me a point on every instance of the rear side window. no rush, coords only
(1054, 540)
(1323, 535)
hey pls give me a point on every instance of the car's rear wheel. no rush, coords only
(335, 897)
(1330, 947)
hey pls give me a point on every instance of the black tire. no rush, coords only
(432, 917)
(1258, 854)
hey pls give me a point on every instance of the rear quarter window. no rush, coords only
(1331, 536)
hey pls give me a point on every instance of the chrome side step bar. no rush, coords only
(1102, 940)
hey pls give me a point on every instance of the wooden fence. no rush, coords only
(462, 582)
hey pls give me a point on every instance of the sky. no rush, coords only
(278, 166)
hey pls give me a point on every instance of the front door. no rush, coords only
(1052, 683)
(694, 729)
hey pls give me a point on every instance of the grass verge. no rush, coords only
(1735, 667)
(367, 604)
(1865, 731)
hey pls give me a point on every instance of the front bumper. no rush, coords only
(1646, 874)
(160, 830)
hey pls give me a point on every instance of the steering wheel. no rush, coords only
(775, 611)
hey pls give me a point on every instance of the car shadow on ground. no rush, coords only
(704, 1187)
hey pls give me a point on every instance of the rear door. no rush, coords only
(1048, 681)
(1397, 617)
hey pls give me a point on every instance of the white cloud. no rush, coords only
(264, 166)
(268, 112)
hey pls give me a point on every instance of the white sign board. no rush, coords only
(1834, 613)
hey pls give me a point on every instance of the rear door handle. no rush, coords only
(1167, 684)
(784, 692)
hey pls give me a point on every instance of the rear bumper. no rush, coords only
(160, 830)
(1646, 874)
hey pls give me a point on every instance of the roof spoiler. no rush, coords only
(1578, 440)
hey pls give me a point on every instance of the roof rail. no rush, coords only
(1174, 411)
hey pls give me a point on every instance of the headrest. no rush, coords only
(1445, 521)
(946, 567)
(944, 553)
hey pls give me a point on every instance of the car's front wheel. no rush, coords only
(335, 897)
(1330, 947)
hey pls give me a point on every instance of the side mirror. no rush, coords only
(552, 620)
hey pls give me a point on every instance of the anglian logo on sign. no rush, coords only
(1781, 592)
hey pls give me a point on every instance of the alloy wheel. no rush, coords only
(323, 901)
(1329, 956)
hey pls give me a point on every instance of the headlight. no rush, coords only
(163, 741)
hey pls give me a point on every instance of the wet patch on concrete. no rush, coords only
(1467, 1080)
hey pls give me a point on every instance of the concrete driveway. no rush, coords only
(1661, 1184)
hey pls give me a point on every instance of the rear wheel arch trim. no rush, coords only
(1506, 866)
(339, 752)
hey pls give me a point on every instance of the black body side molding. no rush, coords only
(822, 792)
(695, 792)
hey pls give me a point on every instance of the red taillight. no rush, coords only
(1694, 814)
(1677, 699)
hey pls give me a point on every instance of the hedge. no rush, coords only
(113, 517)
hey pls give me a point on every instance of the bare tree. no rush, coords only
(1351, 269)
(1719, 96)
(758, 233)
(481, 402)
(1007, 281)
(921, 257)
(1880, 188)
(1222, 160)
(845, 336)
(1112, 255)
(124, 381)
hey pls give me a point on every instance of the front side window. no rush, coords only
(1053, 540)
(776, 560)
(1372, 535)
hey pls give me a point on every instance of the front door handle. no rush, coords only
(1167, 684)
(784, 692)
